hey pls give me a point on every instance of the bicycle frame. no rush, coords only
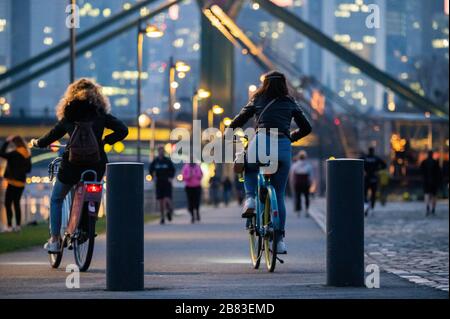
(265, 188)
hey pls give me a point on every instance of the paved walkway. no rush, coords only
(207, 260)
(400, 239)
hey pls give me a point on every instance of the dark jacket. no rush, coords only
(431, 172)
(162, 169)
(82, 111)
(372, 165)
(18, 165)
(279, 115)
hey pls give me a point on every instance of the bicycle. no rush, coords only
(80, 214)
(264, 228)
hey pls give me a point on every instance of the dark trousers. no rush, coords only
(193, 196)
(373, 192)
(12, 197)
(299, 191)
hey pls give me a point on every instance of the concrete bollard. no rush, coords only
(125, 226)
(345, 222)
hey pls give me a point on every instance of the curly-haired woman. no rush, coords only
(82, 102)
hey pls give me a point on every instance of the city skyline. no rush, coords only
(409, 41)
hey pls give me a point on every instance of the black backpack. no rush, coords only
(83, 145)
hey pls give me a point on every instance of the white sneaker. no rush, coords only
(281, 247)
(8, 230)
(52, 247)
(17, 229)
(249, 208)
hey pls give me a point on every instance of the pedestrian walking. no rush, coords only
(192, 177)
(18, 165)
(372, 165)
(431, 177)
(214, 190)
(162, 171)
(239, 188)
(227, 189)
(301, 176)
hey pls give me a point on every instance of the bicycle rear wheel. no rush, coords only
(255, 242)
(83, 241)
(270, 238)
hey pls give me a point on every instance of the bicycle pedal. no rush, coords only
(70, 247)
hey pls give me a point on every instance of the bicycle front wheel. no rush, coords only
(255, 242)
(83, 241)
(270, 238)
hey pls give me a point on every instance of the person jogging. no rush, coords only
(163, 171)
(192, 176)
(431, 178)
(372, 165)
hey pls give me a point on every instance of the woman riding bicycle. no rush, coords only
(274, 108)
(83, 102)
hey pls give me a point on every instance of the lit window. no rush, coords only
(48, 41)
(106, 12)
(42, 84)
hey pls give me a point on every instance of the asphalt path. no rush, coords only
(205, 260)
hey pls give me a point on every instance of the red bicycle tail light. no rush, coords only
(93, 188)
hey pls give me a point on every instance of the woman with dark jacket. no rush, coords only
(82, 102)
(274, 109)
(18, 165)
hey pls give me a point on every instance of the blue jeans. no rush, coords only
(278, 180)
(59, 192)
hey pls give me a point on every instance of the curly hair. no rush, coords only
(83, 90)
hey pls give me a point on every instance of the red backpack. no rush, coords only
(83, 145)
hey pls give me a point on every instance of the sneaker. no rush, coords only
(162, 222)
(307, 213)
(8, 230)
(17, 229)
(366, 209)
(52, 246)
(281, 247)
(249, 208)
(169, 215)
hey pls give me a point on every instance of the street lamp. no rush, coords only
(150, 31)
(199, 95)
(146, 119)
(215, 110)
(182, 68)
